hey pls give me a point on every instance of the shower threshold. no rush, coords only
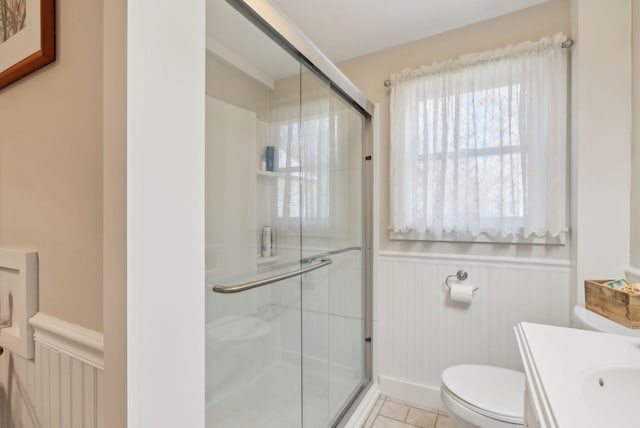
(275, 399)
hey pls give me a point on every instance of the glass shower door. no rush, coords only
(253, 330)
(331, 143)
(284, 235)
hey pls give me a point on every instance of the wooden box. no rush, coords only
(618, 306)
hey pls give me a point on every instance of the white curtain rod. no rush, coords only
(566, 44)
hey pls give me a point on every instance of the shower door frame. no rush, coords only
(266, 17)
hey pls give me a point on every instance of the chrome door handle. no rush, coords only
(237, 288)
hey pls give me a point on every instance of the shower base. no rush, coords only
(273, 400)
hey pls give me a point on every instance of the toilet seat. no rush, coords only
(493, 392)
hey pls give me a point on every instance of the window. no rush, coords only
(478, 145)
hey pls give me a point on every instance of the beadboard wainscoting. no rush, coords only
(420, 331)
(60, 387)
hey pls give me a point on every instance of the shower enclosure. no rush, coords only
(287, 226)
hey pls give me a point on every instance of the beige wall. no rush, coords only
(62, 181)
(114, 398)
(370, 71)
(635, 143)
(51, 167)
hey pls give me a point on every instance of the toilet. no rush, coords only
(483, 396)
(493, 397)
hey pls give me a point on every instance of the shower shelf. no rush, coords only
(266, 260)
(269, 174)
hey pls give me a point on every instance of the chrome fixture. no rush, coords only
(461, 275)
(270, 280)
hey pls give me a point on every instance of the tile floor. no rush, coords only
(390, 413)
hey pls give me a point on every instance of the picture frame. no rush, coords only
(27, 37)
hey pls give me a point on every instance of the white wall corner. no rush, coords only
(78, 342)
(632, 274)
(165, 214)
(601, 149)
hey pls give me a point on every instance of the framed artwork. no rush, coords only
(27, 37)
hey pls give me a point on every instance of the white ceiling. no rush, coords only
(343, 29)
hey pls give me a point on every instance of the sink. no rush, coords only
(611, 395)
(578, 378)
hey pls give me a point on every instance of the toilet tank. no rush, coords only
(585, 319)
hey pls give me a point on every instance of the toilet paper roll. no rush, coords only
(462, 293)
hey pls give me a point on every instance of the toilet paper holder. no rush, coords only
(461, 275)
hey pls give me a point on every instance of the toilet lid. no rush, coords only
(495, 390)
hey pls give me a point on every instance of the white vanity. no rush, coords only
(578, 378)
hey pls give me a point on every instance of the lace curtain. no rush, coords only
(478, 144)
